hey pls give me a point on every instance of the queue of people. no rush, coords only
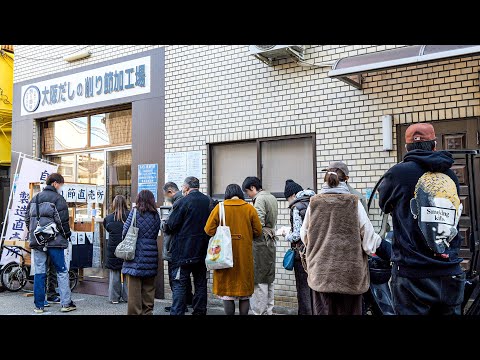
(330, 233)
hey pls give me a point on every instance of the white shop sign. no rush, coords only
(108, 82)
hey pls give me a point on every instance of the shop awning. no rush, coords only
(350, 69)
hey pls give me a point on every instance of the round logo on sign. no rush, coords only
(31, 98)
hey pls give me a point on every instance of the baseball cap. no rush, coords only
(419, 132)
(337, 165)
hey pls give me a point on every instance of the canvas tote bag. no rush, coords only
(219, 253)
(126, 249)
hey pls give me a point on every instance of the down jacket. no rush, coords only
(53, 207)
(145, 263)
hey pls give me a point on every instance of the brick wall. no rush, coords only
(220, 93)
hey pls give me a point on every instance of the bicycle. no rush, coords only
(14, 276)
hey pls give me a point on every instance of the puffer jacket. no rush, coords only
(145, 263)
(52, 207)
(115, 231)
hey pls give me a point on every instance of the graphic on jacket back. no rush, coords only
(437, 208)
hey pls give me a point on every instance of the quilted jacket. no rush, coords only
(53, 207)
(145, 263)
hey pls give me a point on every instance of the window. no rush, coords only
(92, 131)
(273, 160)
(233, 163)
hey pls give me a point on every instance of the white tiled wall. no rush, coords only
(220, 93)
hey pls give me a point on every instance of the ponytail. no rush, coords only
(331, 178)
(334, 177)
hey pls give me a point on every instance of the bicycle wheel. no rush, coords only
(73, 279)
(14, 277)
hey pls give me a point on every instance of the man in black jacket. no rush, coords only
(421, 193)
(52, 214)
(189, 247)
(172, 193)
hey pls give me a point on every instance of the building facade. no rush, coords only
(284, 121)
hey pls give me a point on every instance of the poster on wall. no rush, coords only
(30, 171)
(179, 165)
(80, 238)
(89, 237)
(148, 178)
(73, 238)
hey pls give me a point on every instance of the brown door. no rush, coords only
(455, 135)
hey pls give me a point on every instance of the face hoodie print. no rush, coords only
(421, 193)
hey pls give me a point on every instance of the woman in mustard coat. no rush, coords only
(236, 283)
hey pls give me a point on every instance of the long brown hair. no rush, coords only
(146, 202)
(333, 180)
(119, 207)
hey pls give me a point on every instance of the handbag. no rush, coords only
(288, 259)
(126, 249)
(219, 252)
(46, 233)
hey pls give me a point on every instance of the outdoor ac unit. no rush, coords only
(269, 53)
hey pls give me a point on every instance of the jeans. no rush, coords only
(40, 261)
(180, 277)
(189, 290)
(430, 296)
(52, 288)
(117, 291)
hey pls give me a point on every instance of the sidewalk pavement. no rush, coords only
(18, 304)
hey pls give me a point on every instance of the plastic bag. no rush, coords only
(219, 253)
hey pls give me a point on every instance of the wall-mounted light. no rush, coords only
(77, 56)
(387, 130)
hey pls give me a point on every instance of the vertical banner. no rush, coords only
(100, 194)
(30, 171)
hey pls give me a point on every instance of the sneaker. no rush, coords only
(54, 299)
(38, 310)
(46, 304)
(115, 302)
(69, 307)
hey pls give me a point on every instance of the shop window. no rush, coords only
(66, 134)
(67, 165)
(231, 164)
(93, 131)
(272, 160)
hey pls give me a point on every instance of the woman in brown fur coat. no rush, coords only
(338, 236)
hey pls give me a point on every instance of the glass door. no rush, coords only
(119, 175)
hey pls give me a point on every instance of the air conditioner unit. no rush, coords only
(269, 53)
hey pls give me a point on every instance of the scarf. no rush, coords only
(342, 188)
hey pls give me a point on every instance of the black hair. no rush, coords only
(333, 180)
(170, 185)
(234, 190)
(192, 182)
(252, 181)
(422, 145)
(55, 177)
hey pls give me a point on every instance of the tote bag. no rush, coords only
(126, 249)
(219, 253)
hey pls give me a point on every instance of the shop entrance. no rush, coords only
(93, 149)
(458, 136)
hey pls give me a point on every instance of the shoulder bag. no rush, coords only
(126, 249)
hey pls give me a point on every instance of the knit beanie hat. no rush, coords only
(291, 188)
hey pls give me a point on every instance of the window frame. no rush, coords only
(88, 114)
(258, 144)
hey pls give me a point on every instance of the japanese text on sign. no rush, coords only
(109, 82)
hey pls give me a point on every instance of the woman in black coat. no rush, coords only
(113, 224)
